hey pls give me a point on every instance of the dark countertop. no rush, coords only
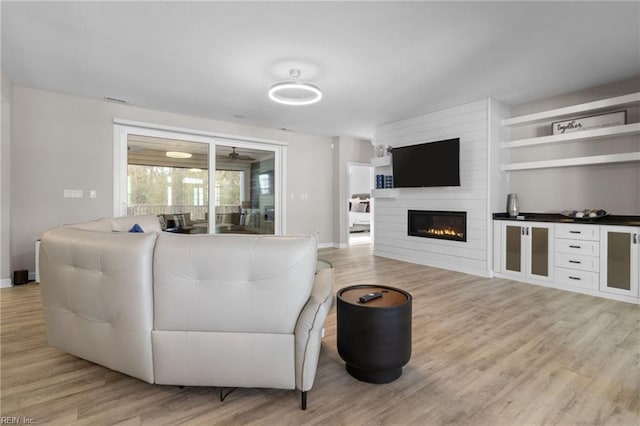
(558, 218)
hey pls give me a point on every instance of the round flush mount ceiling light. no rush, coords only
(178, 154)
(295, 91)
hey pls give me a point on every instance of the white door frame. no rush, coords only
(123, 128)
(349, 165)
(5, 214)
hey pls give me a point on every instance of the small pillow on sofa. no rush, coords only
(136, 228)
(149, 223)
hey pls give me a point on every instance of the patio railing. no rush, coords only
(197, 212)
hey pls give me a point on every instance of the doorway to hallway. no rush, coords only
(360, 204)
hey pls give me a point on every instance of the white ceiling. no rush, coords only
(376, 62)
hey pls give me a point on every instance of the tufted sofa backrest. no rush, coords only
(232, 283)
(97, 293)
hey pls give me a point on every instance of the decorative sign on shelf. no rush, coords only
(617, 118)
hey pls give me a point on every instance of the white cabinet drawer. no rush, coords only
(583, 248)
(573, 278)
(576, 261)
(578, 232)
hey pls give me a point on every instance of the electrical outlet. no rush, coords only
(92, 193)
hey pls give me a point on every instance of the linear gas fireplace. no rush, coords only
(443, 225)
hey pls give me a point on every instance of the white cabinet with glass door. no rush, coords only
(619, 260)
(527, 250)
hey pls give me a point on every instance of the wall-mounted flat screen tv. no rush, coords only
(427, 164)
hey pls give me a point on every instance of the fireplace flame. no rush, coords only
(444, 231)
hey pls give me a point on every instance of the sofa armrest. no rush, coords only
(308, 332)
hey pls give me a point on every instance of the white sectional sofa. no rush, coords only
(195, 310)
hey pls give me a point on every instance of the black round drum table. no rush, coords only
(374, 331)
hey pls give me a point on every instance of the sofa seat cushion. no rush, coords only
(149, 223)
(100, 225)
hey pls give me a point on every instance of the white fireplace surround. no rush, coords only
(483, 189)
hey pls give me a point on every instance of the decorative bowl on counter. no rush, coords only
(585, 214)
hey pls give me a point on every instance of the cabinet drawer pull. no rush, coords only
(574, 278)
(576, 247)
(574, 261)
(575, 232)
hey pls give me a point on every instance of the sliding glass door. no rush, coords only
(169, 178)
(245, 190)
(199, 184)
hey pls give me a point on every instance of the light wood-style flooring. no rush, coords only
(485, 352)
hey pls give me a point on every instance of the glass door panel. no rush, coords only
(513, 244)
(169, 178)
(245, 190)
(619, 260)
(540, 251)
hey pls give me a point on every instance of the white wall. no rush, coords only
(360, 179)
(5, 188)
(475, 125)
(64, 142)
(613, 187)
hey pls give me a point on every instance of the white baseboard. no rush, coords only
(448, 266)
(8, 282)
(332, 245)
(325, 245)
(590, 292)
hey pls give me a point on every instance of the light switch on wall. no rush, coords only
(92, 193)
(73, 193)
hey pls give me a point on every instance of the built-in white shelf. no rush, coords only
(575, 111)
(575, 161)
(632, 99)
(381, 161)
(384, 193)
(625, 130)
